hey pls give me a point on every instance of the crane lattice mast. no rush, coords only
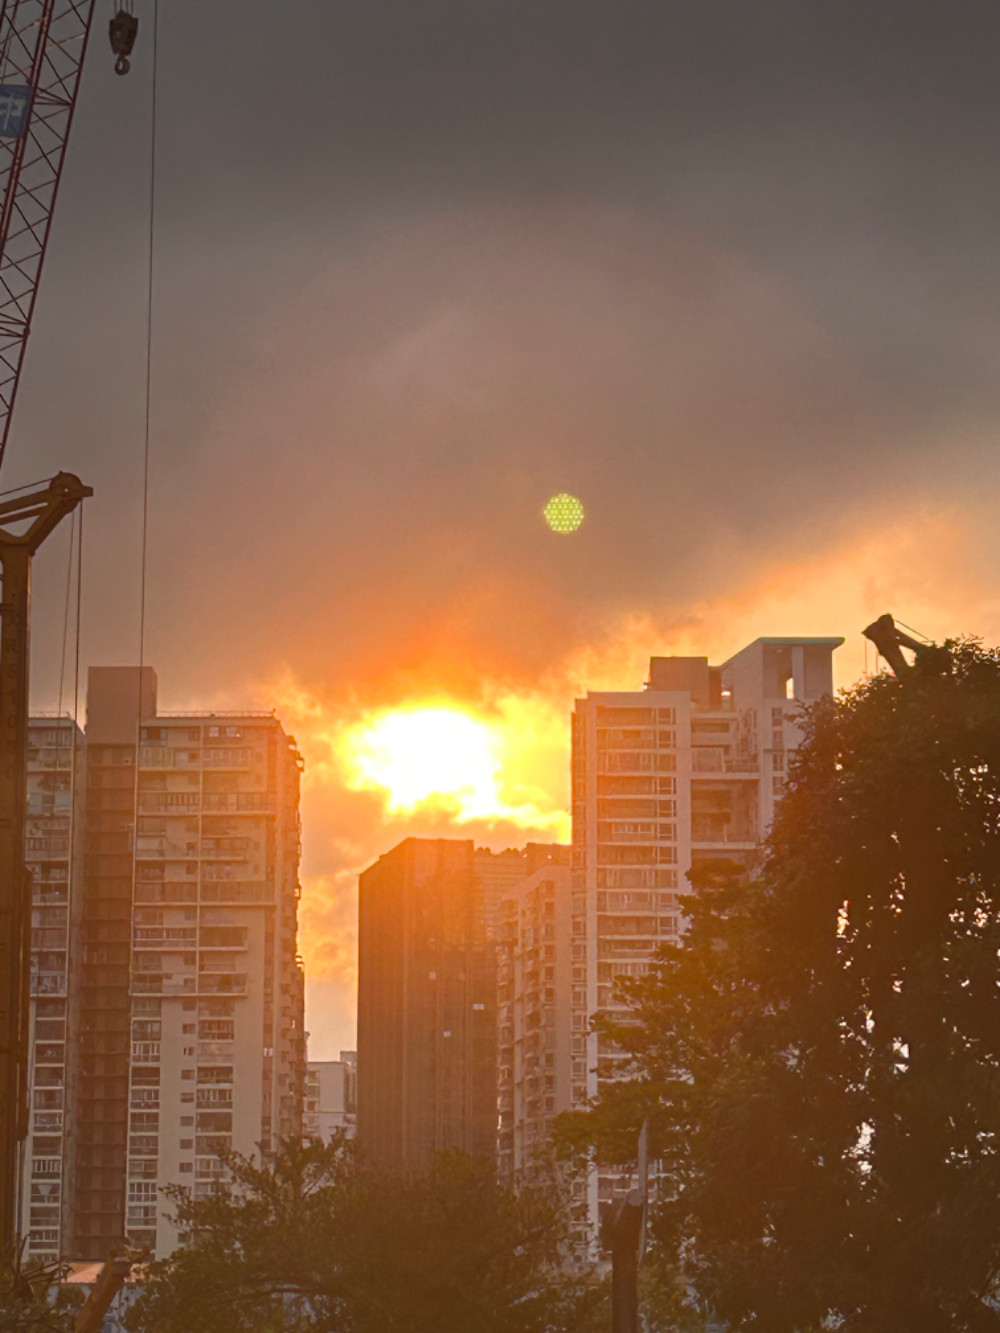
(42, 45)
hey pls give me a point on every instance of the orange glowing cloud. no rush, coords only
(489, 759)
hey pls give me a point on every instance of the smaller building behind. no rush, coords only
(538, 1074)
(331, 1097)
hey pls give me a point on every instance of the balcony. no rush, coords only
(710, 831)
(155, 937)
(223, 983)
(163, 984)
(242, 802)
(215, 1050)
(228, 759)
(48, 983)
(161, 848)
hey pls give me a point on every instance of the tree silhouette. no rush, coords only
(311, 1241)
(820, 1057)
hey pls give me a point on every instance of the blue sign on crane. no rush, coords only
(15, 108)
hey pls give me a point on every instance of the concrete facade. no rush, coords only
(186, 992)
(688, 770)
(53, 851)
(538, 1074)
(331, 1100)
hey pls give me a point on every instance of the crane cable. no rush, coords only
(145, 506)
(149, 341)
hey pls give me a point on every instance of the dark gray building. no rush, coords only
(426, 1006)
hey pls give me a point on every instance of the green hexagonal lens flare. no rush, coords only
(564, 513)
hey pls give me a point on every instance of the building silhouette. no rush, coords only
(426, 1006)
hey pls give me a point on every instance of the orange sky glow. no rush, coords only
(381, 572)
(492, 763)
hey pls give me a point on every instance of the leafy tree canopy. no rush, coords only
(312, 1240)
(820, 1058)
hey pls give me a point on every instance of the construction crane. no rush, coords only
(890, 640)
(42, 48)
(25, 522)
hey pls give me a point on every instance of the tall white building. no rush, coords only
(687, 770)
(186, 992)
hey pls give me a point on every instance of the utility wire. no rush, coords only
(146, 434)
(149, 349)
(145, 506)
(911, 630)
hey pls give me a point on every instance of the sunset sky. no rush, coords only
(726, 272)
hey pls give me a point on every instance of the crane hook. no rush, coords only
(122, 30)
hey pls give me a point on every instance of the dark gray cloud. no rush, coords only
(729, 269)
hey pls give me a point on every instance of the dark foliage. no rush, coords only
(312, 1241)
(821, 1057)
(30, 1300)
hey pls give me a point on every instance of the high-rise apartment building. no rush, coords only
(331, 1099)
(54, 837)
(426, 1006)
(534, 1017)
(687, 771)
(187, 1013)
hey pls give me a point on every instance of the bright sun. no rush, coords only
(429, 752)
(446, 757)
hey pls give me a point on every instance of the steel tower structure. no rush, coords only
(42, 47)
